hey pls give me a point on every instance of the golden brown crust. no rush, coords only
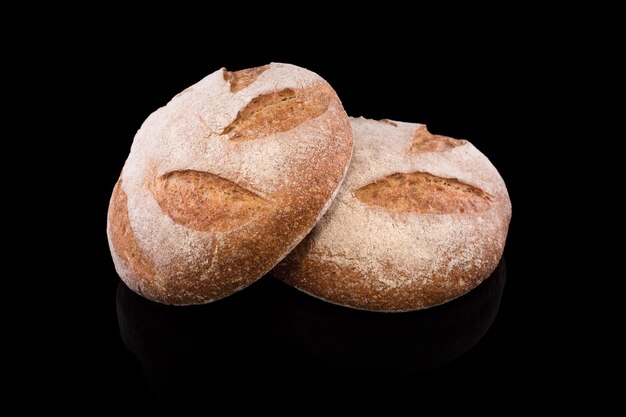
(241, 79)
(123, 241)
(419, 192)
(350, 287)
(279, 111)
(213, 212)
(204, 201)
(424, 141)
(408, 230)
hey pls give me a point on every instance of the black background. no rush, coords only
(257, 347)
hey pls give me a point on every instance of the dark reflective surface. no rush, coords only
(391, 343)
(271, 333)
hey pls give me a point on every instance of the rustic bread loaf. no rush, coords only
(420, 219)
(225, 180)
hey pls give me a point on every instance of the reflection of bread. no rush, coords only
(421, 219)
(174, 341)
(394, 343)
(225, 180)
(194, 356)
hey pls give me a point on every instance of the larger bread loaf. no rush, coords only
(225, 180)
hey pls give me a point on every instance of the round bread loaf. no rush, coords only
(225, 180)
(420, 219)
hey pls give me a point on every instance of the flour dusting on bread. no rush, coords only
(290, 169)
(417, 253)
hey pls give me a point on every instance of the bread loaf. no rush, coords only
(225, 180)
(421, 219)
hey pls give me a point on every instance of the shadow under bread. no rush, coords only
(271, 335)
(392, 343)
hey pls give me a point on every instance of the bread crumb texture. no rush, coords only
(204, 201)
(423, 193)
(278, 112)
(199, 213)
(411, 227)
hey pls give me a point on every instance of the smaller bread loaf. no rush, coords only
(420, 219)
(225, 180)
